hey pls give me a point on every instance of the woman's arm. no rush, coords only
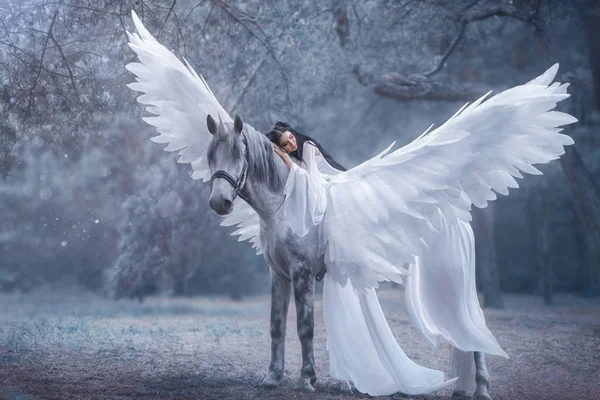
(284, 156)
(306, 196)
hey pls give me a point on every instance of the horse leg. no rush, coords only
(463, 366)
(305, 321)
(280, 300)
(482, 378)
(472, 375)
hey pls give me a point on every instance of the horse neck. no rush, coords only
(266, 199)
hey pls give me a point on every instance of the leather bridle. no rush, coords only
(238, 184)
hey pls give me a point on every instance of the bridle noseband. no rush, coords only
(238, 184)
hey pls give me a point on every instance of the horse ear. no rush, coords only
(212, 125)
(238, 125)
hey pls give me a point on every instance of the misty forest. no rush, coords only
(116, 279)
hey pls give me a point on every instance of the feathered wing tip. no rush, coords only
(139, 26)
(178, 97)
(546, 78)
(146, 46)
(426, 131)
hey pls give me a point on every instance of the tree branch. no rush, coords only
(66, 61)
(267, 45)
(418, 86)
(165, 21)
(246, 86)
(399, 87)
(449, 51)
(35, 81)
(342, 25)
(501, 10)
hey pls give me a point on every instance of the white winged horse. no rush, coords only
(409, 206)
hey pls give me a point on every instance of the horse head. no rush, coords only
(228, 163)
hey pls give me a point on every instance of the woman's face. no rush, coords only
(287, 142)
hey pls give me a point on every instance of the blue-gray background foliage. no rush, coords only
(87, 199)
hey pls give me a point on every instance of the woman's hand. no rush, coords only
(278, 151)
(284, 156)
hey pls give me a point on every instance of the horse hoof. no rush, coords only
(271, 381)
(306, 385)
(481, 396)
(459, 396)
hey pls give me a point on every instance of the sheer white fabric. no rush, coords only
(441, 296)
(353, 318)
(362, 348)
(305, 191)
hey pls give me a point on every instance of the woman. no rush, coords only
(303, 210)
(291, 141)
(353, 318)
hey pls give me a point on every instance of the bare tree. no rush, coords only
(8, 138)
(585, 189)
(420, 86)
(540, 205)
(62, 62)
(587, 206)
(591, 15)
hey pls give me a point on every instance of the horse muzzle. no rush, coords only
(221, 204)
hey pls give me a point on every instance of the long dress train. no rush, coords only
(363, 349)
(361, 346)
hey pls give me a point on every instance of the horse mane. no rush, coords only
(264, 163)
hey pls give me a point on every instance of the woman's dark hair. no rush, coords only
(280, 127)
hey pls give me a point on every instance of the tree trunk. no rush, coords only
(583, 259)
(342, 25)
(179, 286)
(548, 279)
(587, 202)
(486, 258)
(545, 241)
(533, 219)
(237, 280)
(586, 192)
(238, 276)
(592, 17)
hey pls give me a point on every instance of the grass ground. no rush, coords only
(55, 346)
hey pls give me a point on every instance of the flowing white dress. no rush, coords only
(440, 296)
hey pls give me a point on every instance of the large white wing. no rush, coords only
(385, 211)
(180, 99)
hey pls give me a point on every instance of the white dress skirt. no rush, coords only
(439, 287)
